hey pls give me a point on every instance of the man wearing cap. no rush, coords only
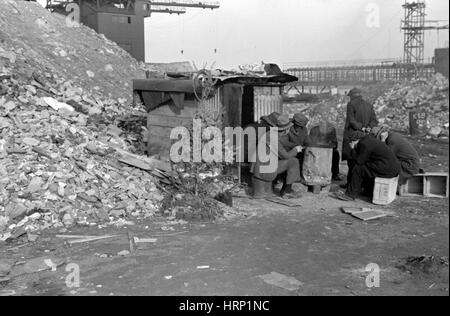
(287, 162)
(402, 149)
(373, 159)
(270, 120)
(298, 134)
(324, 135)
(361, 117)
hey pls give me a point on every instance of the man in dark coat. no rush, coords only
(373, 159)
(287, 161)
(324, 135)
(361, 117)
(402, 149)
(298, 134)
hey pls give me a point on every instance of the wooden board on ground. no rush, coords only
(284, 202)
(141, 162)
(365, 214)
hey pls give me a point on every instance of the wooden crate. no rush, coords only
(385, 191)
(435, 185)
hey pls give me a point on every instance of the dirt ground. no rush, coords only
(323, 248)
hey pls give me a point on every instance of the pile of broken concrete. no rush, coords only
(392, 105)
(62, 156)
(425, 96)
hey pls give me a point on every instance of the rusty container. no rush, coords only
(317, 166)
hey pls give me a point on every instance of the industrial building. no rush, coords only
(123, 21)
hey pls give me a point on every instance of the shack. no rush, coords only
(237, 100)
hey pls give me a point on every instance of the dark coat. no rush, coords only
(282, 154)
(299, 138)
(360, 114)
(405, 153)
(377, 157)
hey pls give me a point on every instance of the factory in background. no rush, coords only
(122, 21)
(441, 59)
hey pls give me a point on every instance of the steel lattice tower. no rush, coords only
(413, 27)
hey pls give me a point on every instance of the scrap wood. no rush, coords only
(5, 293)
(283, 281)
(16, 150)
(36, 265)
(141, 162)
(83, 239)
(74, 236)
(284, 202)
(174, 234)
(42, 152)
(79, 241)
(138, 240)
(365, 214)
(133, 241)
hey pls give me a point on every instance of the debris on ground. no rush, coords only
(84, 239)
(32, 38)
(63, 157)
(288, 203)
(392, 102)
(366, 214)
(36, 265)
(424, 264)
(123, 253)
(425, 96)
(283, 281)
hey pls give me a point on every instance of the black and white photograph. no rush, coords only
(224, 156)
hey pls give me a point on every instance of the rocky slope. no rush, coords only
(61, 92)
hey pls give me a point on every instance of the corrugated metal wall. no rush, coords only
(267, 101)
(215, 104)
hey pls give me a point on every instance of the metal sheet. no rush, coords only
(214, 105)
(267, 101)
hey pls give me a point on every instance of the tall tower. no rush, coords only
(413, 27)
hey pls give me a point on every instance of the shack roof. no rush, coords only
(180, 82)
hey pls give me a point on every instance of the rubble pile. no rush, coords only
(392, 105)
(332, 109)
(48, 42)
(61, 148)
(430, 97)
(58, 168)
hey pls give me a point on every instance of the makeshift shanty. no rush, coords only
(236, 100)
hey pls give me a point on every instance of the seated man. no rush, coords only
(406, 154)
(298, 134)
(373, 159)
(287, 162)
(325, 135)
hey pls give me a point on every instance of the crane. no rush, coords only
(414, 26)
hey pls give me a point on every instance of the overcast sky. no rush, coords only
(286, 31)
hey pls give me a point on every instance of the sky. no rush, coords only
(286, 32)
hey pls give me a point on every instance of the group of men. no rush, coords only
(293, 138)
(371, 151)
